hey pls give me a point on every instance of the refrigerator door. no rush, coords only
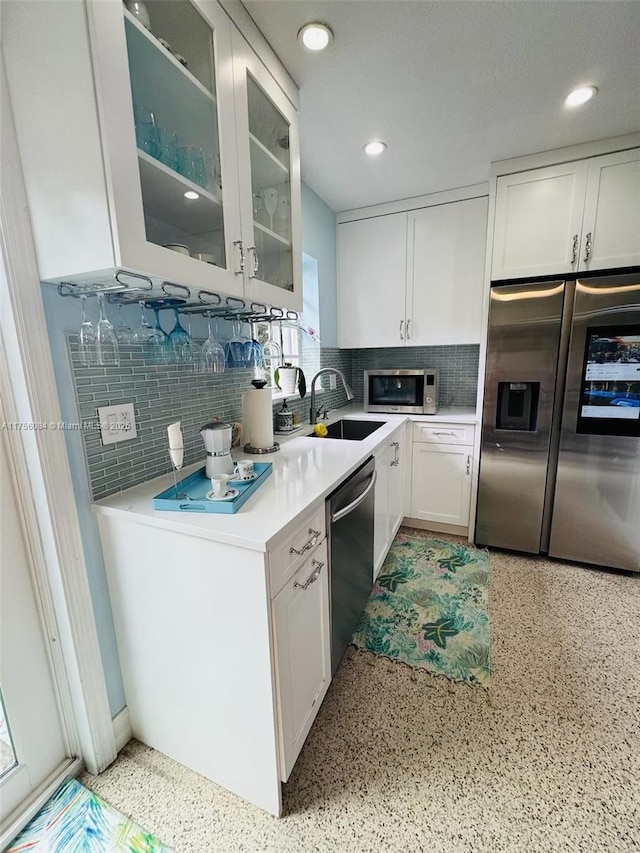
(523, 343)
(596, 510)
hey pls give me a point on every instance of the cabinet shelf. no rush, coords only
(163, 192)
(266, 169)
(267, 232)
(164, 62)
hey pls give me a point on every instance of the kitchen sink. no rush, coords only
(349, 430)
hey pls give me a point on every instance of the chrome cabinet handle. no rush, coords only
(313, 534)
(574, 249)
(313, 577)
(256, 262)
(443, 433)
(588, 243)
(468, 465)
(396, 454)
(401, 325)
(408, 334)
(240, 246)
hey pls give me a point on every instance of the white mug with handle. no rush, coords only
(244, 469)
(219, 485)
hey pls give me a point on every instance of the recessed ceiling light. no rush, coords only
(315, 36)
(580, 96)
(191, 194)
(374, 148)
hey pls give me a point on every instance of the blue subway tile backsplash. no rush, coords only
(162, 394)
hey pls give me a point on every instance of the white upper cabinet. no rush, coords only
(446, 254)
(414, 278)
(138, 113)
(372, 265)
(538, 221)
(269, 174)
(611, 224)
(578, 216)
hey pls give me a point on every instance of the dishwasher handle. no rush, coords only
(354, 504)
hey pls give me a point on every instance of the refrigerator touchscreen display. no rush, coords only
(610, 392)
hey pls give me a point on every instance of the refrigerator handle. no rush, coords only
(574, 250)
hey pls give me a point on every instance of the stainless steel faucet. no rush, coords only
(313, 412)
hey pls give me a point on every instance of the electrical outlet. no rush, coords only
(117, 423)
(333, 382)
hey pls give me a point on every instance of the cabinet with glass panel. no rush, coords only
(181, 160)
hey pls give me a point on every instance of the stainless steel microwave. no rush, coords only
(410, 392)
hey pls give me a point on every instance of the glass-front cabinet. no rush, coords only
(173, 150)
(269, 175)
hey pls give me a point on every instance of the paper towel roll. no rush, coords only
(257, 416)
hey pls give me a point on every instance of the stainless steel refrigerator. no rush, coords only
(560, 456)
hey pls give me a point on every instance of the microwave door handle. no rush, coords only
(355, 504)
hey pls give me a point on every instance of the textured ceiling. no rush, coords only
(450, 86)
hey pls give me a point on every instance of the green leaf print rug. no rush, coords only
(75, 819)
(429, 608)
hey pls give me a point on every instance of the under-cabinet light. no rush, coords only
(580, 96)
(374, 148)
(191, 194)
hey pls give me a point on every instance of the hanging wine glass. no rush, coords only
(253, 352)
(108, 348)
(160, 350)
(87, 339)
(236, 353)
(180, 340)
(212, 355)
(124, 333)
(144, 332)
(270, 198)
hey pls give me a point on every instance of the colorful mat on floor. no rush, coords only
(75, 820)
(429, 608)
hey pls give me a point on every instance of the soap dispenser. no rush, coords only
(284, 418)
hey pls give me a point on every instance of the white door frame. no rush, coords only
(62, 574)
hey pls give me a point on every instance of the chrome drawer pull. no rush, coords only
(309, 544)
(313, 577)
(574, 250)
(444, 433)
(468, 465)
(588, 243)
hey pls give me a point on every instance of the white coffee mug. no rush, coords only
(244, 469)
(219, 485)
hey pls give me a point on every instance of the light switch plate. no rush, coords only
(333, 382)
(117, 423)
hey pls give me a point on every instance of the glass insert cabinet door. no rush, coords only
(172, 68)
(269, 177)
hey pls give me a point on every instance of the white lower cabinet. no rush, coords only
(390, 492)
(442, 473)
(303, 652)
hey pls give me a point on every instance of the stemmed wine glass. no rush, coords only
(108, 349)
(124, 333)
(270, 198)
(236, 347)
(180, 340)
(212, 355)
(144, 333)
(87, 339)
(162, 350)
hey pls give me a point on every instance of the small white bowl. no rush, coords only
(178, 247)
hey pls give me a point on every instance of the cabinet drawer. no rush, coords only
(443, 433)
(290, 552)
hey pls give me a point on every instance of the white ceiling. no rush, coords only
(450, 86)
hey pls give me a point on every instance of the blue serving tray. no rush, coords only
(196, 486)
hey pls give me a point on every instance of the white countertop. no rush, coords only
(305, 471)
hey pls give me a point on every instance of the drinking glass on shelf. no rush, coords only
(270, 198)
(180, 341)
(190, 162)
(124, 333)
(212, 358)
(108, 349)
(168, 142)
(283, 210)
(257, 205)
(147, 130)
(87, 339)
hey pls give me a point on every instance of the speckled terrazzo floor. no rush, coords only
(546, 761)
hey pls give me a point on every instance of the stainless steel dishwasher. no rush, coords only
(350, 512)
